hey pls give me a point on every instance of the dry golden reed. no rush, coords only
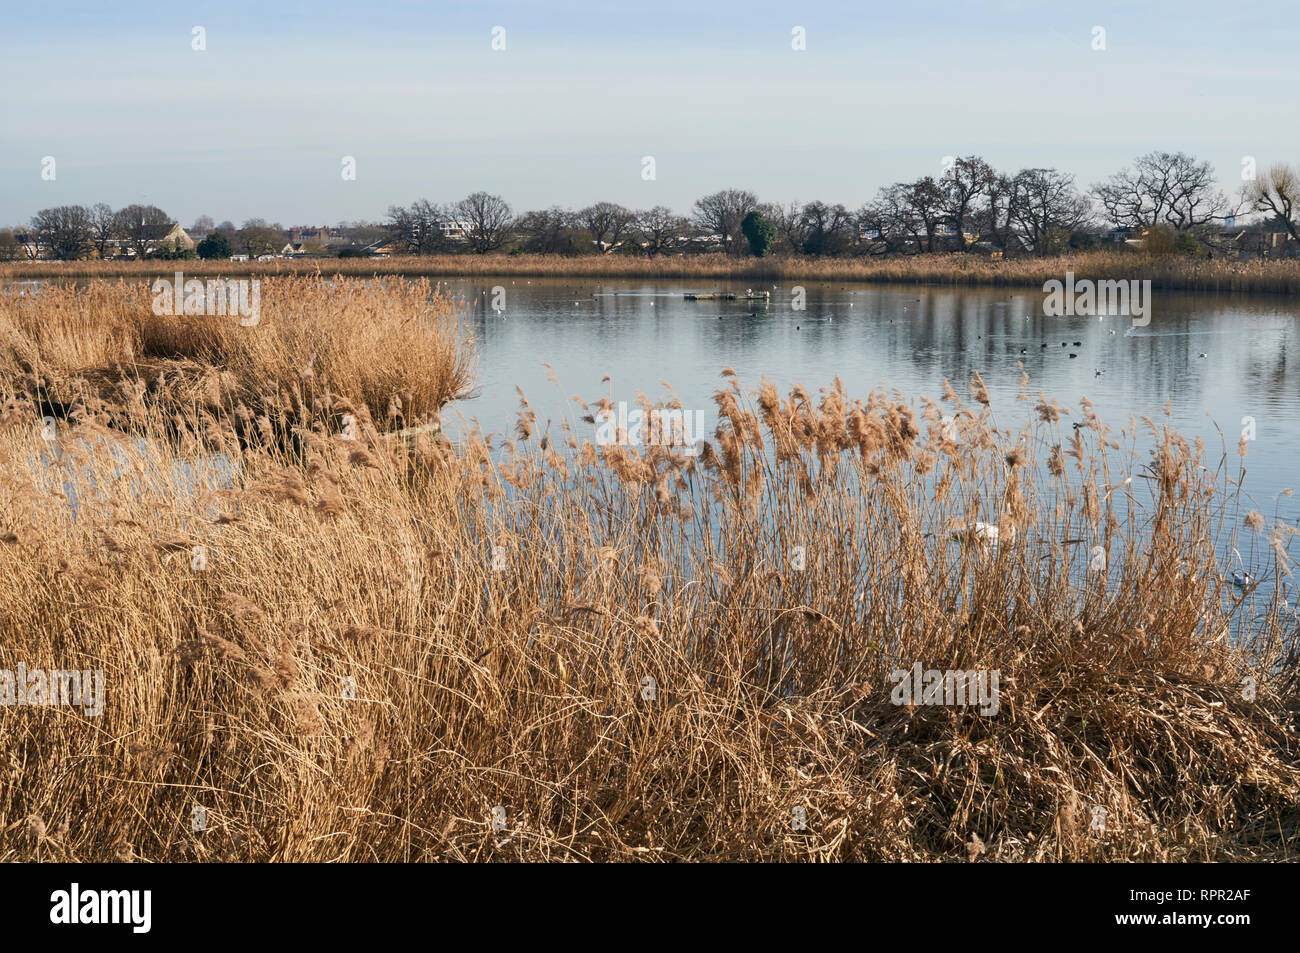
(1264, 276)
(394, 347)
(618, 648)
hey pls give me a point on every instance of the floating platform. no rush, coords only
(728, 296)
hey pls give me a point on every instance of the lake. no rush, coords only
(642, 333)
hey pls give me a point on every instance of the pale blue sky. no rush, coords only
(258, 123)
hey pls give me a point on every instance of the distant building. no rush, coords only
(312, 233)
(177, 239)
(456, 231)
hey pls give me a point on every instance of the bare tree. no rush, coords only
(721, 214)
(547, 231)
(489, 218)
(103, 227)
(661, 229)
(967, 180)
(141, 227)
(925, 202)
(1163, 188)
(1046, 208)
(419, 226)
(1277, 194)
(828, 229)
(63, 232)
(606, 220)
(891, 213)
(874, 229)
(994, 217)
(790, 225)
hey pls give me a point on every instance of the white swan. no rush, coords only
(1240, 578)
(987, 534)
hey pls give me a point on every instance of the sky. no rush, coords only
(259, 122)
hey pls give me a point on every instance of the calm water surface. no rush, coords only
(643, 335)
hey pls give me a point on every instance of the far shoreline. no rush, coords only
(1261, 276)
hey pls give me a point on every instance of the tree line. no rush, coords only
(1035, 211)
(969, 205)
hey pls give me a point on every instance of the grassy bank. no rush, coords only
(1261, 277)
(620, 649)
(397, 350)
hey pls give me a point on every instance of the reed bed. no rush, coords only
(548, 650)
(1275, 276)
(397, 347)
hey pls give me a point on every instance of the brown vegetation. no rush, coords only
(386, 642)
(1281, 276)
(395, 347)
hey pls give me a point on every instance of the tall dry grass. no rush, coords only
(1276, 276)
(394, 346)
(388, 642)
